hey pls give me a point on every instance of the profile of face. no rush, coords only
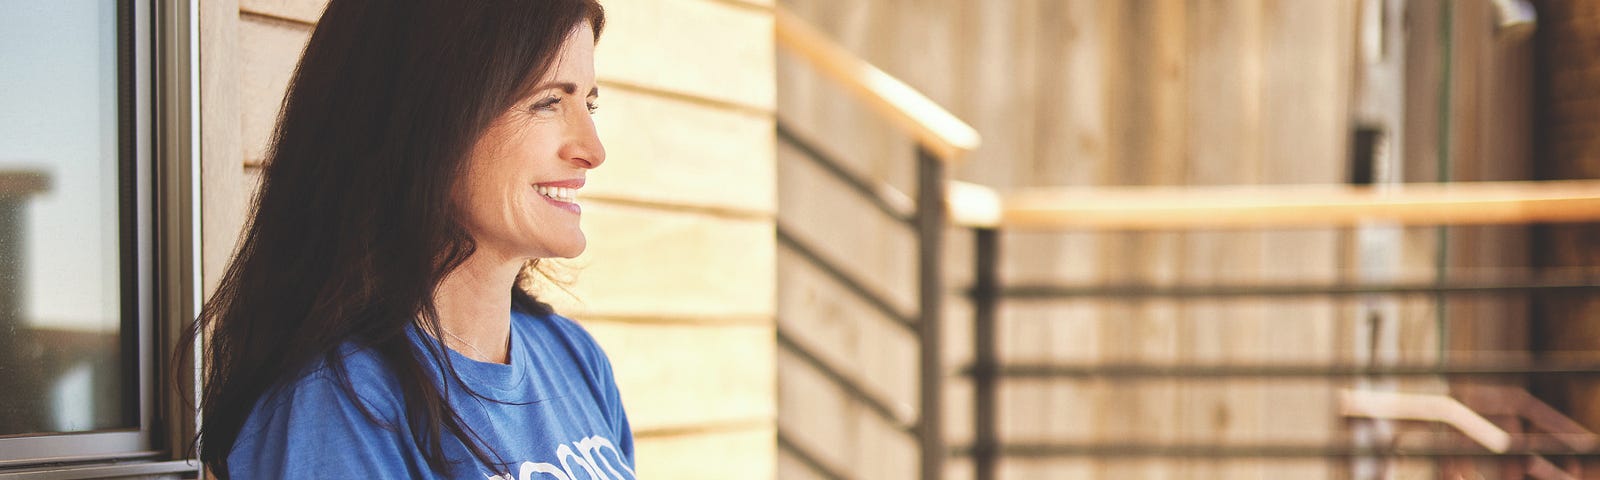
(517, 192)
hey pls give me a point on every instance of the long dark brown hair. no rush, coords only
(354, 224)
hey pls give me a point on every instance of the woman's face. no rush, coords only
(517, 194)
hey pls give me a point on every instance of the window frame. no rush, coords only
(158, 130)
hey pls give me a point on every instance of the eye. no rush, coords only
(549, 103)
(592, 107)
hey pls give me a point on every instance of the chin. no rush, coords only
(568, 249)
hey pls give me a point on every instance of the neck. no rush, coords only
(474, 305)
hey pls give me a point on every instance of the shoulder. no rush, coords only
(350, 399)
(354, 380)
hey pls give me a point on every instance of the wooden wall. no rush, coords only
(678, 280)
(1128, 92)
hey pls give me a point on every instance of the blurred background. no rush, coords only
(1192, 332)
(918, 239)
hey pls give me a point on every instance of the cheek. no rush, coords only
(505, 165)
(486, 185)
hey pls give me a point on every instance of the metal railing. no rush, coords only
(938, 205)
(926, 217)
(941, 139)
(989, 370)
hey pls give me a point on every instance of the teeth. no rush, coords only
(560, 194)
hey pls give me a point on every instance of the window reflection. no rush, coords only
(61, 335)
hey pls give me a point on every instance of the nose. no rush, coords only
(582, 146)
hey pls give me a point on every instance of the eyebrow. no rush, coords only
(568, 87)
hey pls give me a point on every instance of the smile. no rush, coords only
(562, 194)
(559, 194)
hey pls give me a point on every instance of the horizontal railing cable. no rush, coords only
(1044, 450)
(850, 386)
(1019, 370)
(1135, 291)
(889, 201)
(809, 459)
(877, 300)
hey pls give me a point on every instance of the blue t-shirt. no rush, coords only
(562, 419)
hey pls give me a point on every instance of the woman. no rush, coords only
(370, 324)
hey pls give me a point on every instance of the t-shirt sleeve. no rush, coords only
(314, 429)
(613, 404)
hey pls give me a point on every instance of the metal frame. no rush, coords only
(931, 220)
(177, 276)
(988, 370)
(24, 450)
(160, 133)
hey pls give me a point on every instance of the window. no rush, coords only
(94, 233)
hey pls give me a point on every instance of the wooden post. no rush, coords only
(1567, 139)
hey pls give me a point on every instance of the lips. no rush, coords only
(562, 194)
(571, 183)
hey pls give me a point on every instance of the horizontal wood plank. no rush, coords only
(735, 455)
(677, 152)
(683, 377)
(699, 48)
(643, 261)
(269, 49)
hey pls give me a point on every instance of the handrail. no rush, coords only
(1490, 399)
(1274, 206)
(973, 205)
(967, 204)
(935, 128)
(1432, 408)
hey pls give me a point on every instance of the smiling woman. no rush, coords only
(518, 189)
(425, 159)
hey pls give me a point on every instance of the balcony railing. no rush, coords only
(940, 204)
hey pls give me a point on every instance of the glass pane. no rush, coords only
(61, 331)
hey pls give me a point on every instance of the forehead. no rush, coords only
(581, 36)
(577, 53)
